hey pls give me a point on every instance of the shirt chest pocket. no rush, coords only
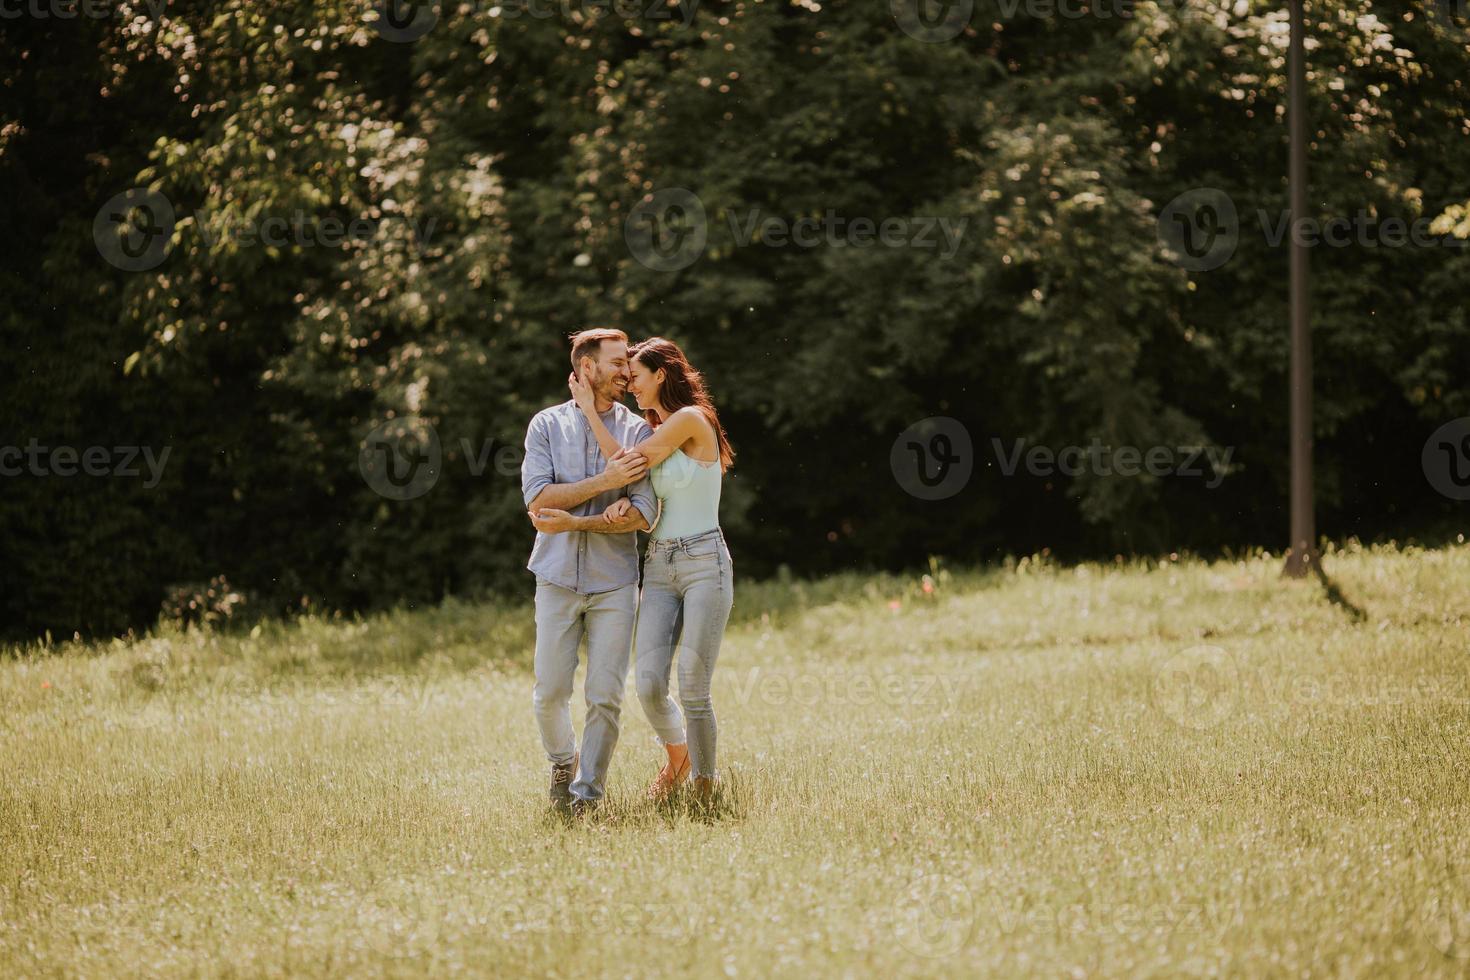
(573, 464)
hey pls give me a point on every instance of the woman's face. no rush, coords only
(644, 386)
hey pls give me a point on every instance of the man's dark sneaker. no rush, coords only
(581, 807)
(561, 784)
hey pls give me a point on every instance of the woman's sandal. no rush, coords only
(668, 780)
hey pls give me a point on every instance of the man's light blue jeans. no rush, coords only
(562, 618)
(688, 590)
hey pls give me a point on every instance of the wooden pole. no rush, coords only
(1302, 555)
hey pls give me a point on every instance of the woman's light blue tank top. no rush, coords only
(690, 494)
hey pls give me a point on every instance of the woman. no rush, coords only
(688, 581)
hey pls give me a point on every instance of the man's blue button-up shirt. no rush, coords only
(560, 448)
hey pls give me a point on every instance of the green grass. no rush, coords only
(1141, 769)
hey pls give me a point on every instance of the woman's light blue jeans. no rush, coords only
(688, 589)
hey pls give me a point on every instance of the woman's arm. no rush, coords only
(676, 430)
(680, 427)
(582, 395)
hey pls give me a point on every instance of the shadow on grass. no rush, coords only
(1337, 597)
(729, 802)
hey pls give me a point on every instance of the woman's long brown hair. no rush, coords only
(683, 386)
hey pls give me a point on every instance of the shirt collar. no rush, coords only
(606, 416)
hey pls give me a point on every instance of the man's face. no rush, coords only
(611, 373)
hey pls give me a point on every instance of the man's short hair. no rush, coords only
(588, 343)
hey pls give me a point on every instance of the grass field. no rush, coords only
(1142, 769)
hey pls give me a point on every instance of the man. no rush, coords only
(586, 568)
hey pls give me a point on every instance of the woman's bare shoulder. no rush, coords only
(694, 420)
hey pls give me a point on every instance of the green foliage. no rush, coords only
(495, 162)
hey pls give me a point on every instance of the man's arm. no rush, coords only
(632, 521)
(563, 496)
(628, 467)
(552, 521)
(537, 474)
